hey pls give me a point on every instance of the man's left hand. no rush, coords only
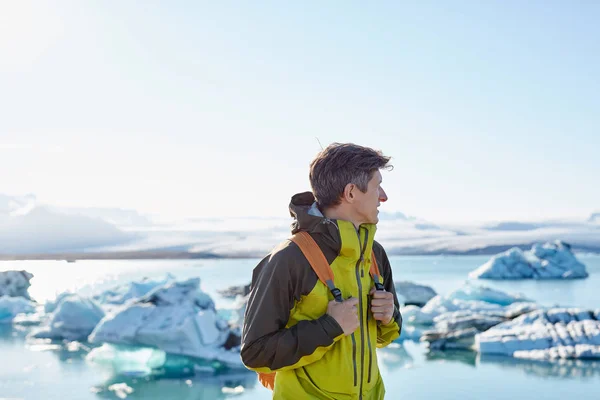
(382, 305)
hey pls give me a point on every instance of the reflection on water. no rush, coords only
(394, 357)
(194, 388)
(397, 356)
(466, 357)
(564, 369)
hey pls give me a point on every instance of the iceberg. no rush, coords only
(409, 332)
(413, 294)
(74, 318)
(51, 305)
(547, 261)
(465, 312)
(121, 294)
(556, 333)
(15, 284)
(470, 298)
(177, 318)
(10, 307)
(233, 292)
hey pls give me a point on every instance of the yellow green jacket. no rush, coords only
(286, 328)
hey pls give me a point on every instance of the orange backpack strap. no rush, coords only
(374, 271)
(317, 260)
(267, 379)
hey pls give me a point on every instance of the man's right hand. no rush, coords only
(345, 313)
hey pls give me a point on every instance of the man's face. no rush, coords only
(366, 204)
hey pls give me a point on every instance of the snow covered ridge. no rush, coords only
(547, 261)
(557, 333)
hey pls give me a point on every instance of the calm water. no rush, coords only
(409, 371)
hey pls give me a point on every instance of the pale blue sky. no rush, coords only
(490, 109)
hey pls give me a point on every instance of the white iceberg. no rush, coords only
(460, 315)
(555, 333)
(471, 298)
(10, 307)
(133, 290)
(547, 261)
(74, 318)
(413, 294)
(447, 340)
(51, 305)
(177, 318)
(409, 332)
(15, 283)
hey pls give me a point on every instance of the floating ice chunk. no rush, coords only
(233, 292)
(121, 390)
(132, 290)
(414, 294)
(409, 332)
(486, 294)
(51, 305)
(10, 307)
(460, 339)
(128, 360)
(547, 261)
(177, 318)
(554, 333)
(15, 284)
(415, 316)
(74, 319)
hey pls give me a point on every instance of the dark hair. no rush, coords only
(340, 164)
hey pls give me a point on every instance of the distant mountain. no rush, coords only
(10, 205)
(44, 230)
(28, 229)
(515, 226)
(115, 216)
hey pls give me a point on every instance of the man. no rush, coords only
(320, 348)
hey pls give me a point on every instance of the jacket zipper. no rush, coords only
(354, 357)
(360, 309)
(370, 348)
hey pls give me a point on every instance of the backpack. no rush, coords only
(319, 264)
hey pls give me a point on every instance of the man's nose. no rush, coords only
(382, 196)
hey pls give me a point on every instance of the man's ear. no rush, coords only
(349, 192)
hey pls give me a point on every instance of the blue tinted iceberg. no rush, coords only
(74, 318)
(177, 318)
(561, 333)
(10, 307)
(547, 261)
(15, 284)
(413, 294)
(456, 318)
(133, 290)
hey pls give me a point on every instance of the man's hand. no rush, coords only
(345, 313)
(382, 305)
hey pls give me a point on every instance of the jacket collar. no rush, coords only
(340, 235)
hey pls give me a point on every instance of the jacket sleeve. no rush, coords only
(268, 344)
(387, 333)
